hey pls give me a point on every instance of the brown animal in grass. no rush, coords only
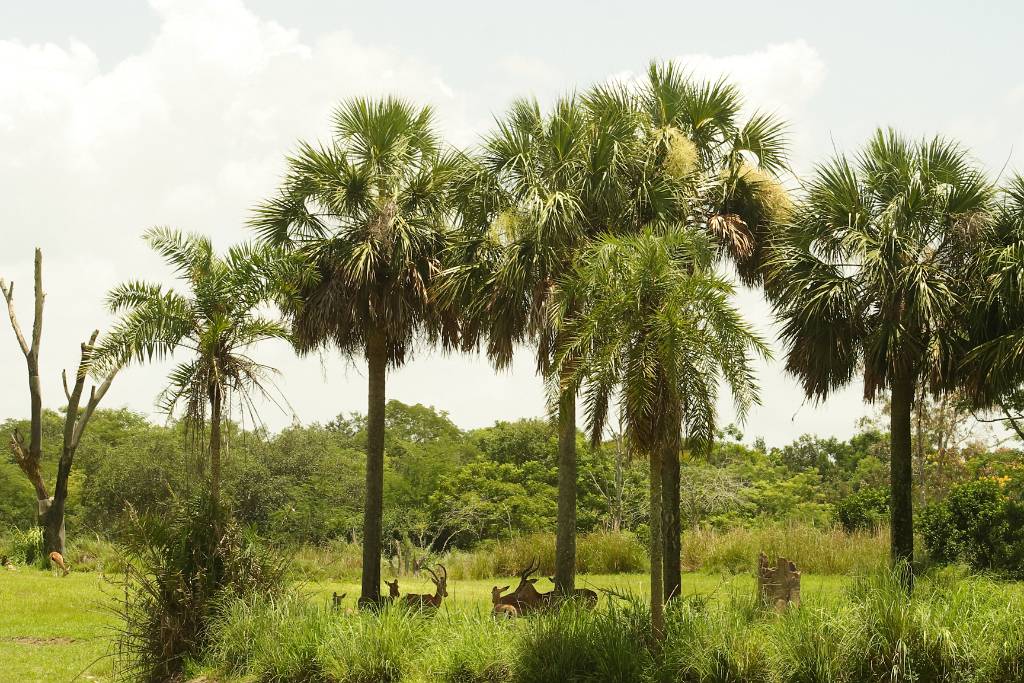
(434, 600)
(58, 560)
(392, 591)
(423, 600)
(525, 598)
(500, 609)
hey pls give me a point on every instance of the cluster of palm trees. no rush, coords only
(597, 232)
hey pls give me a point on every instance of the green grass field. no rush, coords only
(55, 629)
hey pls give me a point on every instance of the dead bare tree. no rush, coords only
(28, 456)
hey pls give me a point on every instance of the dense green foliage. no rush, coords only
(446, 487)
(979, 524)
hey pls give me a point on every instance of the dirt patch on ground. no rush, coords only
(29, 640)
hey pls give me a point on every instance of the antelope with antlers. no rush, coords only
(422, 600)
(525, 597)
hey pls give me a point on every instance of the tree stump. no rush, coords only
(778, 587)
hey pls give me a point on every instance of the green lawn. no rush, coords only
(55, 629)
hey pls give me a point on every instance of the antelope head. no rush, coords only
(496, 594)
(440, 581)
(392, 588)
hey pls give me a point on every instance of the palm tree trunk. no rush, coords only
(672, 519)
(373, 512)
(657, 548)
(565, 541)
(901, 461)
(216, 400)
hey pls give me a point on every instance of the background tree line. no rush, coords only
(451, 488)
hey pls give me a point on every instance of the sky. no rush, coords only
(119, 115)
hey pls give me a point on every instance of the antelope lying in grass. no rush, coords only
(58, 560)
(586, 596)
(421, 600)
(525, 598)
(392, 592)
(501, 609)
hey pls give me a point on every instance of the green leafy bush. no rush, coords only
(865, 510)
(977, 524)
(180, 565)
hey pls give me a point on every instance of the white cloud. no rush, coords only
(192, 131)
(781, 78)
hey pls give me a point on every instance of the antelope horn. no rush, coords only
(444, 570)
(431, 572)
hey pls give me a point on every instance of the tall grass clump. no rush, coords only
(600, 552)
(179, 566)
(574, 644)
(815, 551)
(467, 648)
(817, 643)
(338, 560)
(708, 643)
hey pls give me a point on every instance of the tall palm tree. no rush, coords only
(613, 160)
(216, 322)
(365, 218)
(646, 321)
(726, 167)
(873, 273)
(542, 185)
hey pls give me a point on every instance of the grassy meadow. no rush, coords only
(59, 629)
(56, 628)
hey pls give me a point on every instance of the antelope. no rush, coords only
(525, 597)
(336, 600)
(392, 591)
(58, 559)
(440, 592)
(501, 609)
(584, 595)
(6, 563)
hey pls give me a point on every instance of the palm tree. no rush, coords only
(216, 323)
(365, 218)
(873, 272)
(612, 160)
(648, 322)
(994, 367)
(726, 168)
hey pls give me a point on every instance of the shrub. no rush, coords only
(179, 565)
(977, 524)
(24, 547)
(865, 510)
(815, 551)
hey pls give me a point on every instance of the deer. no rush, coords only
(586, 596)
(440, 593)
(58, 560)
(500, 609)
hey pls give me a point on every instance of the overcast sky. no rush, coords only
(117, 115)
